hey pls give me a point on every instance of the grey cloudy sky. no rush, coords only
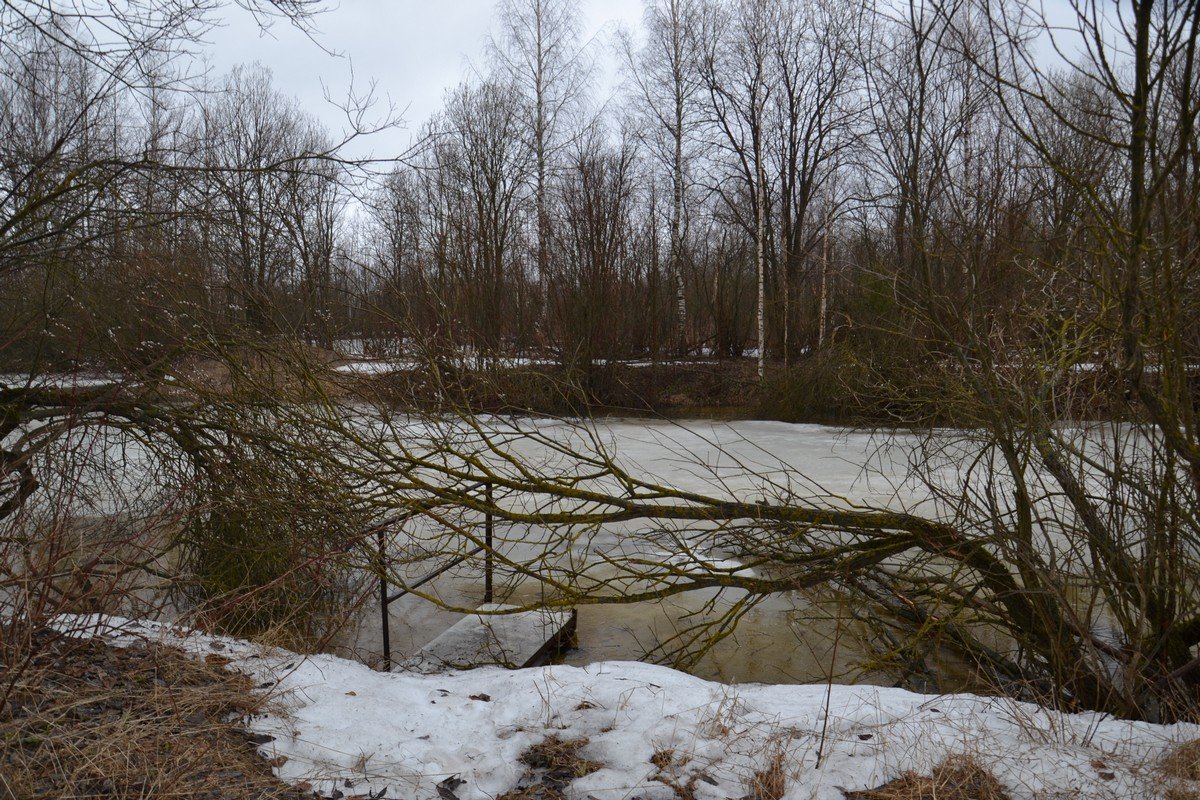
(413, 49)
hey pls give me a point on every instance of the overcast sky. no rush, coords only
(413, 49)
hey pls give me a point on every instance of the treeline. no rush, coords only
(139, 217)
(783, 178)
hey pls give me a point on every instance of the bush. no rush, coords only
(845, 383)
(269, 549)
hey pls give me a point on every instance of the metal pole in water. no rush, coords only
(487, 540)
(383, 601)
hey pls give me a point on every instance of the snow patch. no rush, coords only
(346, 728)
(69, 380)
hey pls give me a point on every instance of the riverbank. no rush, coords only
(836, 387)
(619, 729)
(676, 389)
(84, 718)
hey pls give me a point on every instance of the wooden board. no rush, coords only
(524, 639)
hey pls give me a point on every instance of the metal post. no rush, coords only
(487, 540)
(383, 601)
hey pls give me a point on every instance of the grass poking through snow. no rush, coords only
(552, 765)
(956, 778)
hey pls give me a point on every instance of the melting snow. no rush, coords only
(347, 729)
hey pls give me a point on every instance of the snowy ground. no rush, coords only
(386, 366)
(66, 380)
(347, 729)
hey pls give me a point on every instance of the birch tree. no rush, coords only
(734, 61)
(539, 52)
(668, 88)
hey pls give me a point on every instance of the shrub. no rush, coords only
(269, 546)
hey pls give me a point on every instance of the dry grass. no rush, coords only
(88, 720)
(669, 765)
(559, 755)
(552, 765)
(1183, 762)
(771, 782)
(1181, 769)
(663, 759)
(956, 778)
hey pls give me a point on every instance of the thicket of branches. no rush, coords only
(956, 206)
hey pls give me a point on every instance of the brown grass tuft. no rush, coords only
(956, 778)
(553, 764)
(1183, 762)
(1180, 791)
(559, 755)
(1182, 765)
(86, 719)
(769, 783)
(663, 758)
(668, 764)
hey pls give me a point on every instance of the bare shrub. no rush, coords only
(269, 546)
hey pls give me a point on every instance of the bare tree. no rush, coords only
(127, 47)
(482, 156)
(816, 110)
(539, 52)
(669, 89)
(734, 61)
(595, 300)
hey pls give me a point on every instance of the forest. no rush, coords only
(236, 352)
(852, 196)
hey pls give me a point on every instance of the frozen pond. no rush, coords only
(784, 638)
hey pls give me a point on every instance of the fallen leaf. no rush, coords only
(446, 788)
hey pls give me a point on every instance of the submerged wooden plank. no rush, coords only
(523, 639)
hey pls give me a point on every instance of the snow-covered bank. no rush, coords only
(347, 729)
(64, 380)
